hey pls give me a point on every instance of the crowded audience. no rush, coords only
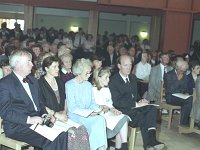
(71, 80)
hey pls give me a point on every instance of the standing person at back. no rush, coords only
(156, 76)
(123, 89)
(142, 72)
(21, 105)
(175, 81)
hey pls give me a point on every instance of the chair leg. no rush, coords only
(132, 139)
(170, 118)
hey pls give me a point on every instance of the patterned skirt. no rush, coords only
(78, 139)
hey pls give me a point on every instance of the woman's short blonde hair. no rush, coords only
(99, 73)
(80, 65)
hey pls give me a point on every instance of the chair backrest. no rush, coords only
(194, 95)
(162, 92)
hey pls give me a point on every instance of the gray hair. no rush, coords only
(80, 65)
(181, 64)
(16, 56)
(63, 50)
(64, 56)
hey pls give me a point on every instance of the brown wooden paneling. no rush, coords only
(197, 16)
(180, 4)
(177, 31)
(15, 1)
(129, 10)
(69, 4)
(196, 5)
(157, 4)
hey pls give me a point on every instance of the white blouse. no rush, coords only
(103, 96)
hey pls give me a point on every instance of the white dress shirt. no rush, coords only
(27, 89)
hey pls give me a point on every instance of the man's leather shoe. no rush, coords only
(158, 145)
(149, 148)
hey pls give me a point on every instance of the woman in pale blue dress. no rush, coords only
(79, 95)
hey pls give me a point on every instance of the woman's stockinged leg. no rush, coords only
(118, 141)
(124, 133)
(122, 136)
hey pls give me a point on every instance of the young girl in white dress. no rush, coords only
(102, 97)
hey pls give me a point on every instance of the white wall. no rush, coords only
(12, 8)
(112, 26)
(126, 24)
(65, 18)
(117, 23)
(60, 18)
(60, 22)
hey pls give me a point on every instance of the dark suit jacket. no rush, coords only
(49, 97)
(122, 93)
(107, 61)
(190, 83)
(173, 85)
(15, 104)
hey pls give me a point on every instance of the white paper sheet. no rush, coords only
(52, 133)
(181, 95)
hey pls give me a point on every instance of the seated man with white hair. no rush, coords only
(175, 81)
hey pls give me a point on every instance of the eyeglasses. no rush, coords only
(88, 73)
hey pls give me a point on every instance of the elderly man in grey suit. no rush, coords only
(175, 81)
(156, 76)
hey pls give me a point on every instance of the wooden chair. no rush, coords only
(14, 144)
(191, 128)
(164, 105)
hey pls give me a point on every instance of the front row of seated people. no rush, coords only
(23, 103)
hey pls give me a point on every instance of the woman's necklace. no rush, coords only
(52, 82)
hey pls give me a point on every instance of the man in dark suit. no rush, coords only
(175, 81)
(21, 106)
(123, 89)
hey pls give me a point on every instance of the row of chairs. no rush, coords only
(18, 145)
